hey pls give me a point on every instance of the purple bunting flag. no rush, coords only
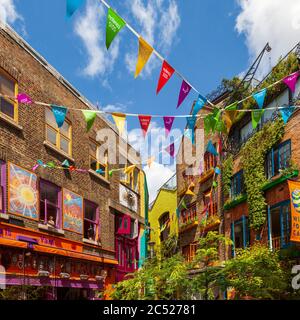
(171, 150)
(184, 91)
(168, 121)
(291, 81)
(24, 98)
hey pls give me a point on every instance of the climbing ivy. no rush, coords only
(227, 169)
(253, 161)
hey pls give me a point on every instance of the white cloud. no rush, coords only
(158, 21)
(8, 12)
(157, 175)
(88, 28)
(273, 21)
(118, 107)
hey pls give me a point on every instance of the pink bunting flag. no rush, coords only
(145, 122)
(24, 98)
(168, 124)
(171, 150)
(35, 167)
(291, 81)
(184, 91)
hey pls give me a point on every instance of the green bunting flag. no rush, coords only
(215, 184)
(256, 116)
(113, 26)
(90, 117)
(183, 204)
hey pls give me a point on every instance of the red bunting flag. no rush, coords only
(145, 122)
(165, 75)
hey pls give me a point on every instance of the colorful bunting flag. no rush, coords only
(24, 98)
(66, 164)
(35, 167)
(129, 169)
(260, 97)
(114, 25)
(183, 204)
(189, 134)
(286, 113)
(184, 91)
(168, 121)
(217, 170)
(145, 122)
(211, 148)
(215, 184)
(191, 123)
(165, 75)
(189, 192)
(145, 51)
(59, 114)
(200, 103)
(171, 150)
(100, 171)
(119, 119)
(90, 117)
(51, 165)
(291, 81)
(256, 116)
(229, 115)
(72, 6)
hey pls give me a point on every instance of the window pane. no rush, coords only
(49, 192)
(93, 164)
(238, 235)
(93, 149)
(51, 135)
(90, 211)
(50, 118)
(64, 144)
(7, 108)
(89, 231)
(276, 162)
(7, 86)
(51, 215)
(65, 129)
(103, 168)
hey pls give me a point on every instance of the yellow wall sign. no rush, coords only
(294, 188)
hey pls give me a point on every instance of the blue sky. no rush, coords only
(206, 40)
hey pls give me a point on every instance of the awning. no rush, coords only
(73, 254)
(13, 243)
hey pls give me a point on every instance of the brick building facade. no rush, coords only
(41, 245)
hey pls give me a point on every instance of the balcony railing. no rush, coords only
(277, 242)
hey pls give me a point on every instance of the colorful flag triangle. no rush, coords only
(145, 51)
(119, 119)
(72, 6)
(24, 98)
(168, 121)
(59, 114)
(211, 148)
(200, 103)
(165, 75)
(184, 91)
(291, 81)
(66, 164)
(256, 116)
(260, 97)
(145, 123)
(114, 25)
(171, 150)
(286, 113)
(90, 117)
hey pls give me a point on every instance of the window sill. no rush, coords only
(4, 216)
(95, 174)
(93, 242)
(50, 229)
(60, 152)
(11, 122)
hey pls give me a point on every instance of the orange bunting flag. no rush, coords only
(190, 192)
(145, 51)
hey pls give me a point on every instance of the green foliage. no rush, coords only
(255, 272)
(207, 259)
(253, 162)
(27, 292)
(227, 169)
(290, 169)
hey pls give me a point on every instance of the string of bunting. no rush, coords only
(115, 23)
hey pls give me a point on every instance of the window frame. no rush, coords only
(59, 135)
(284, 232)
(189, 251)
(212, 202)
(95, 223)
(270, 159)
(58, 223)
(122, 230)
(15, 101)
(210, 160)
(164, 218)
(244, 222)
(129, 178)
(3, 179)
(189, 214)
(96, 159)
(237, 184)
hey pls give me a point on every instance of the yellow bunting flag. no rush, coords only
(294, 187)
(119, 119)
(190, 192)
(145, 51)
(129, 169)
